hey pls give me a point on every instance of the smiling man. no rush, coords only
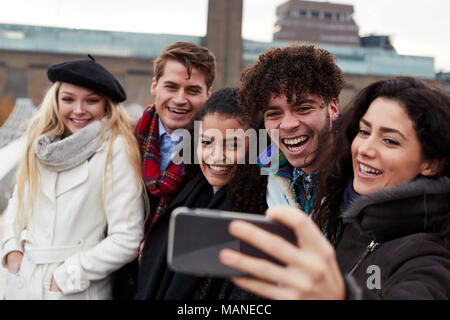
(296, 89)
(183, 76)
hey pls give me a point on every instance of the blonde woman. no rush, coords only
(77, 211)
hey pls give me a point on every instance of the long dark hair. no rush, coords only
(247, 187)
(429, 110)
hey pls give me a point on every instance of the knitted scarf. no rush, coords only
(61, 154)
(163, 185)
(303, 183)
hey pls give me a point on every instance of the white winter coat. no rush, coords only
(78, 234)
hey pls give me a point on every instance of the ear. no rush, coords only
(208, 93)
(153, 87)
(430, 167)
(334, 110)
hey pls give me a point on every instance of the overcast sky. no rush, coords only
(416, 27)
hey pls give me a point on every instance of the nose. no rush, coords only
(180, 97)
(216, 154)
(289, 122)
(367, 147)
(78, 107)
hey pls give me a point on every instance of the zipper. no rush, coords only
(370, 248)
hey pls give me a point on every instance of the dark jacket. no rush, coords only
(156, 281)
(396, 234)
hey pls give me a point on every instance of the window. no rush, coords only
(315, 14)
(328, 15)
(303, 13)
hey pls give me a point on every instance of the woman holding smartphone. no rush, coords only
(385, 190)
(222, 181)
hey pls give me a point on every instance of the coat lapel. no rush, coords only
(48, 182)
(70, 179)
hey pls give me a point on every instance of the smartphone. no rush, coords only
(196, 237)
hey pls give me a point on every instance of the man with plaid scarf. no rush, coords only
(183, 76)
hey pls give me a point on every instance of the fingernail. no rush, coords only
(225, 256)
(236, 227)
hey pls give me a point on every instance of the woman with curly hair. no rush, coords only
(385, 188)
(223, 179)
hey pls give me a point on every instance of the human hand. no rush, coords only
(54, 286)
(310, 272)
(14, 261)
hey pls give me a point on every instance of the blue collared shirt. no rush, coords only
(167, 143)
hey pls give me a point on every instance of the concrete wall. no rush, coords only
(134, 73)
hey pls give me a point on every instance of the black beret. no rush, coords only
(88, 74)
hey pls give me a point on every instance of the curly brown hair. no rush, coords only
(294, 71)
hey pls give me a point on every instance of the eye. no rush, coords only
(93, 100)
(303, 109)
(67, 99)
(271, 114)
(171, 86)
(193, 91)
(206, 142)
(391, 142)
(363, 132)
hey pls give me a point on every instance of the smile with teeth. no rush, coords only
(177, 111)
(295, 144)
(219, 169)
(369, 171)
(80, 121)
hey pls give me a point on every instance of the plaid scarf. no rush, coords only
(303, 183)
(163, 185)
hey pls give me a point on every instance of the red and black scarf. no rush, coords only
(165, 184)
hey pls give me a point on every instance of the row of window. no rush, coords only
(322, 38)
(336, 16)
(318, 25)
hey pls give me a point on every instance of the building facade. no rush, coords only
(27, 51)
(316, 22)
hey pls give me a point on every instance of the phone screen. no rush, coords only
(196, 238)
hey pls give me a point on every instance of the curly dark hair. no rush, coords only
(429, 110)
(247, 187)
(294, 71)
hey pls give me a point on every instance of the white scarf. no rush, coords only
(63, 154)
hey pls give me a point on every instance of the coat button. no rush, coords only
(19, 283)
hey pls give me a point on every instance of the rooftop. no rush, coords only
(354, 60)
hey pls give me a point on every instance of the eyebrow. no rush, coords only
(90, 94)
(294, 104)
(307, 101)
(384, 129)
(267, 108)
(196, 87)
(226, 140)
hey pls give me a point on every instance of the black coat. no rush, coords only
(126, 278)
(404, 226)
(156, 281)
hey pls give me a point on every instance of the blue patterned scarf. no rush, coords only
(302, 182)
